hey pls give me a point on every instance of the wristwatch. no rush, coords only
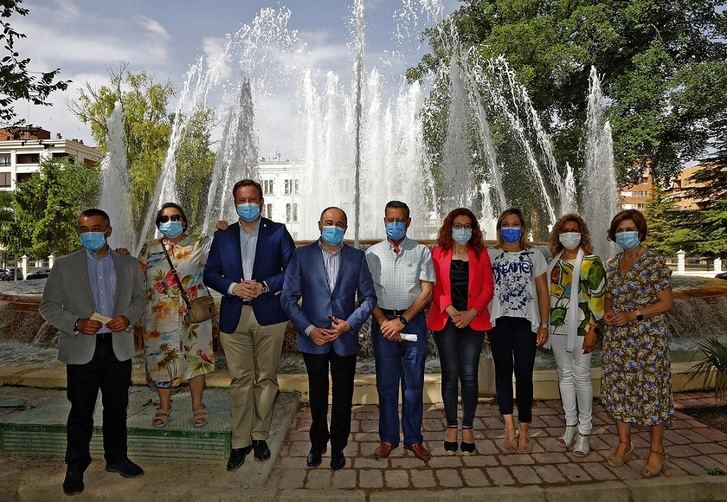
(75, 326)
(544, 325)
(403, 320)
(265, 289)
(639, 316)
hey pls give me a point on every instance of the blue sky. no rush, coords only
(85, 37)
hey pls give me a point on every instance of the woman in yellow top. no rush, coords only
(575, 316)
(176, 351)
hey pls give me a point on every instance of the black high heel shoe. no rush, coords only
(450, 446)
(467, 448)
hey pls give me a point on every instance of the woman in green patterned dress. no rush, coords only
(636, 373)
(176, 350)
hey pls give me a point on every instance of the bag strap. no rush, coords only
(174, 271)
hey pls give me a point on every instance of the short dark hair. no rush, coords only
(629, 214)
(167, 205)
(248, 183)
(397, 205)
(94, 211)
(345, 217)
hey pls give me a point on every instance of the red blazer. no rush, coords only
(480, 289)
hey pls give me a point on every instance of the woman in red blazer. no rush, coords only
(459, 317)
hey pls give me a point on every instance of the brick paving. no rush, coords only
(694, 448)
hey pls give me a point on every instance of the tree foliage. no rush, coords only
(16, 79)
(662, 219)
(663, 63)
(45, 208)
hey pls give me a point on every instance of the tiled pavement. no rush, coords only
(694, 448)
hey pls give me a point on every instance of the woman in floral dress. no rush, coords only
(176, 350)
(636, 373)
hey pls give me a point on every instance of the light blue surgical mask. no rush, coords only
(93, 241)
(396, 230)
(332, 235)
(628, 240)
(511, 234)
(461, 235)
(171, 228)
(248, 211)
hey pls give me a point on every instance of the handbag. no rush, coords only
(486, 372)
(201, 308)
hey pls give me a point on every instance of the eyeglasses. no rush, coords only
(460, 226)
(175, 217)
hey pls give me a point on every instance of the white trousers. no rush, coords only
(574, 380)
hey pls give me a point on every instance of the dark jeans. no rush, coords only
(401, 363)
(511, 340)
(459, 354)
(106, 373)
(343, 369)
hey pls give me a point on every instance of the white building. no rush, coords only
(282, 187)
(22, 150)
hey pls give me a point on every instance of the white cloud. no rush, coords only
(67, 10)
(154, 27)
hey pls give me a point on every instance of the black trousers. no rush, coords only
(343, 369)
(106, 373)
(513, 347)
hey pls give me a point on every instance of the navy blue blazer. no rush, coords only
(306, 278)
(274, 250)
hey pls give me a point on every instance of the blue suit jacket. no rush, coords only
(275, 248)
(305, 278)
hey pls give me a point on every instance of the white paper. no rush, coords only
(101, 318)
(409, 337)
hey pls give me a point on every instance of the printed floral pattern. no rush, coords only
(175, 350)
(636, 373)
(591, 294)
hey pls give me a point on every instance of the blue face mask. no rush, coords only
(248, 211)
(332, 235)
(396, 230)
(511, 234)
(628, 240)
(461, 235)
(93, 241)
(171, 228)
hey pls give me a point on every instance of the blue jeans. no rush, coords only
(401, 363)
(459, 354)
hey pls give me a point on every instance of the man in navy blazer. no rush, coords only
(247, 264)
(328, 275)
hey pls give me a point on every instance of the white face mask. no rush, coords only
(570, 240)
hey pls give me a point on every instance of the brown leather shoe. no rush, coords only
(419, 451)
(384, 450)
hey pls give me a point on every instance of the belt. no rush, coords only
(104, 337)
(393, 312)
(246, 302)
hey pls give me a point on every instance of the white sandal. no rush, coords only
(568, 437)
(582, 446)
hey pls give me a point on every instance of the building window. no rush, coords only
(297, 186)
(291, 213)
(268, 211)
(5, 179)
(21, 177)
(287, 187)
(268, 187)
(27, 158)
(292, 187)
(4, 159)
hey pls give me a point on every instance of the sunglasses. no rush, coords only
(175, 217)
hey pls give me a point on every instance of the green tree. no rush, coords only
(663, 65)
(45, 208)
(16, 79)
(662, 219)
(146, 124)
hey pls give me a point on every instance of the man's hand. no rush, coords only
(119, 323)
(321, 336)
(122, 251)
(88, 326)
(222, 225)
(340, 326)
(589, 341)
(245, 290)
(391, 329)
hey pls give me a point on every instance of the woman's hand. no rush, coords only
(589, 341)
(222, 225)
(465, 318)
(542, 337)
(618, 319)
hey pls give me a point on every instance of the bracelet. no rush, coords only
(544, 325)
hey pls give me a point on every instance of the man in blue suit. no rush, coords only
(247, 264)
(328, 275)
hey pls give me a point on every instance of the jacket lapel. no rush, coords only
(237, 252)
(343, 258)
(262, 234)
(121, 279)
(85, 280)
(318, 253)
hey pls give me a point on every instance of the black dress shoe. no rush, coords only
(338, 461)
(237, 457)
(261, 450)
(73, 484)
(314, 457)
(126, 468)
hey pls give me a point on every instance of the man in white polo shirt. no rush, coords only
(403, 276)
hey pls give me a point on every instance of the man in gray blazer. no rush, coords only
(93, 297)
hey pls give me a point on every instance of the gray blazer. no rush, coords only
(68, 297)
